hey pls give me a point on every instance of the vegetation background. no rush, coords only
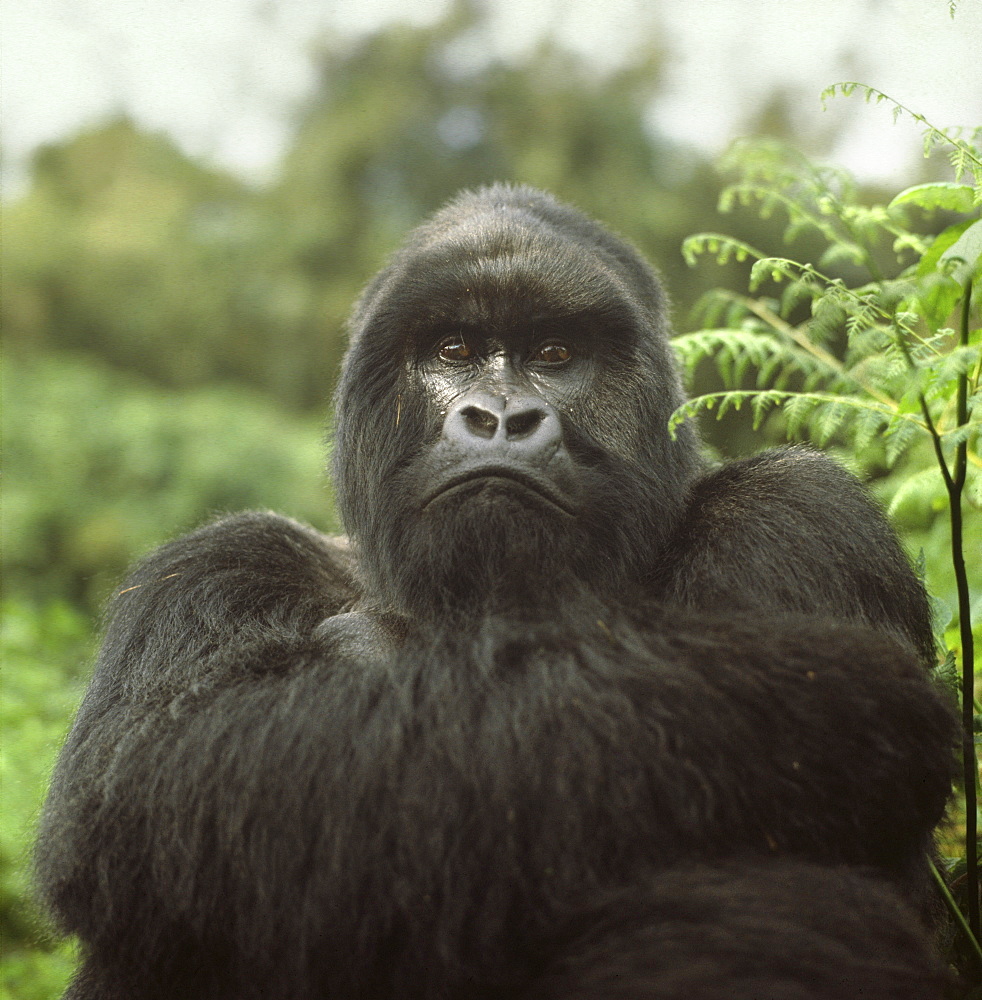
(172, 333)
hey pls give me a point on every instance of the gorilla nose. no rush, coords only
(489, 423)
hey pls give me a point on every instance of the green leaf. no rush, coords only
(968, 249)
(939, 295)
(931, 197)
(946, 238)
(761, 271)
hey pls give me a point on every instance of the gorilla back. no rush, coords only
(569, 715)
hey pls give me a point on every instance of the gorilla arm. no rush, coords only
(790, 530)
(188, 712)
(239, 800)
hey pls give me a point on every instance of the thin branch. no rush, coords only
(955, 910)
(970, 760)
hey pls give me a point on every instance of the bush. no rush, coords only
(101, 468)
(45, 652)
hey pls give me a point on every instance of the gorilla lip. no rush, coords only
(499, 472)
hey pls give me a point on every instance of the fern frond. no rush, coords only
(920, 490)
(801, 215)
(964, 157)
(899, 435)
(735, 351)
(869, 425)
(842, 253)
(803, 409)
(967, 433)
(944, 370)
(722, 247)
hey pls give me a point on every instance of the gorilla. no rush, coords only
(567, 714)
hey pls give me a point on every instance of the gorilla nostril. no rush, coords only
(479, 421)
(522, 425)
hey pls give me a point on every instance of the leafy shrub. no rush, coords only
(100, 468)
(45, 652)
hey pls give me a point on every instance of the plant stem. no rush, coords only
(955, 485)
(954, 480)
(955, 912)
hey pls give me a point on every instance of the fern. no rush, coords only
(897, 349)
(964, 154)
(891, 358)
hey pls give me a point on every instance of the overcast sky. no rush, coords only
(222, 76)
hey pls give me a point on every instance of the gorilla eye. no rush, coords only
(455, 348)
(553, 353)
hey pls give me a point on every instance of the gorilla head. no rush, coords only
(501, 417)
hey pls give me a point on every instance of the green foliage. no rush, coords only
(896, 346)
(963, 153)
(45, 650)
(99, 468)
(876, 347)
(896, 352)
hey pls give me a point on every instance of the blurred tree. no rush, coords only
(126, 249)
(110, 252)
(100, 467)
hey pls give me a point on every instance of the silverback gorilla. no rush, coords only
(569, 716)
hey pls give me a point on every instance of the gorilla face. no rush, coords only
(507, 439)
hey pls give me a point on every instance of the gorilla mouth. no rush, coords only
(542, 490)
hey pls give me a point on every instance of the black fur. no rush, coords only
(571, 717)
